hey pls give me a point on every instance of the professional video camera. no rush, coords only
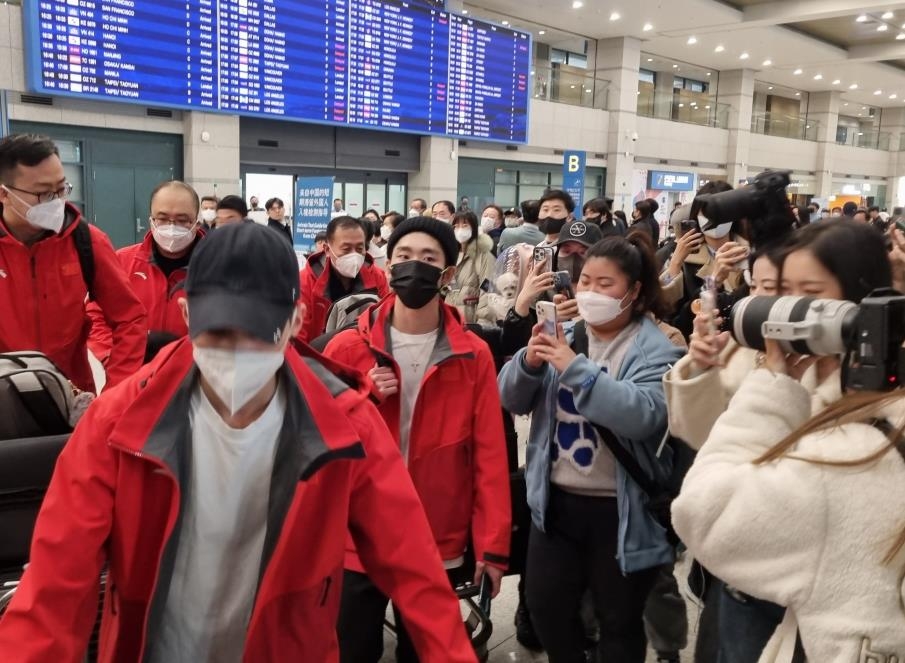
(869, 335)
(763, 202)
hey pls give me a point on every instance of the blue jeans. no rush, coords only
(746, 624)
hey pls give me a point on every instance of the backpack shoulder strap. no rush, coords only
(81, 235)
(580, 338)
(629, 464)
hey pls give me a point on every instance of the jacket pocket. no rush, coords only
(325, 591)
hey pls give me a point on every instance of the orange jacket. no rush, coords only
(457, 447)
(158, 293)
(315, 286)
(42, 303)
(115, 498)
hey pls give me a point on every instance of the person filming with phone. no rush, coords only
(588, 385)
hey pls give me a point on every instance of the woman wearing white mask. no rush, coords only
(476, 268)
(492, 224)
(590, 527)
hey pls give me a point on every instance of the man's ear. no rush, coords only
(184, 308)
(299, 319)
(448, 275)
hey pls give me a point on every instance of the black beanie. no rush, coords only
(440, 231)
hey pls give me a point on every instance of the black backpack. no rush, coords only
(81, 235)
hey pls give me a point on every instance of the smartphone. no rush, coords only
(544, 255)
(484, 595)
(709, 303)
(562, 283)
(546, 315)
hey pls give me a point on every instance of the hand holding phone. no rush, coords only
(546, 316)
(544, 255)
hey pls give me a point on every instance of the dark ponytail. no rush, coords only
(634, 255)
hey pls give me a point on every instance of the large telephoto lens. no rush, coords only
(801, 325)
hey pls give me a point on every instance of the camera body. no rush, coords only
(763, 203)
(869, 335)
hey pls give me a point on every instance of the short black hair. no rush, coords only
(182, 186)
(371, 211)
(320, 237)
(446, 203)
(26, 150)
(873, 208)
(393, 218)
(644, 207)
(471, 219)
(210, 199)
(598, 205)
(557, 194)
(422, 203)
(272, 202)
(345, 222)
(530, 211)
(849, 208)
(234, 203)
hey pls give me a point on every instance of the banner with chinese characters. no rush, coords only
(313, 205)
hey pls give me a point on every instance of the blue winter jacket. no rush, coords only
(632, 406)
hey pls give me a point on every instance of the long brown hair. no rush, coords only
(853, 408)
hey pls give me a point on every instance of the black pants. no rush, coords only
(361, 613)
(578, 552)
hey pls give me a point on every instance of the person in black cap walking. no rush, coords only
(219, 485)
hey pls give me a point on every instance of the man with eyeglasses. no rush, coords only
(156, 269)
(43, 289)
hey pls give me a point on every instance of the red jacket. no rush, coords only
(158, 293)
(457, 448)
(42, 303)
(115, 498)
(315, 285)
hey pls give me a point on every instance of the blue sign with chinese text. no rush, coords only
(573, 167)
(313, 205)
(661, 180)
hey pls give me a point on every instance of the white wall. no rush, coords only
(859, 161)
(680, 142)
(785, 153)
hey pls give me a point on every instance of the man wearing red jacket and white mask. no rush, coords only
(437, 387)
(156, 269)
(43, 284)
(344, 268)
(219, 484)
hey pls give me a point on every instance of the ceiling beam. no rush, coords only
(780, 11)
(877, 52)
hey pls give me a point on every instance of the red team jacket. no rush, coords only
(159, 295)
(457, 447)
(315, 285)
(115, 498)
(42, 303)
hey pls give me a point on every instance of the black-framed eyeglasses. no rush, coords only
(46, 196)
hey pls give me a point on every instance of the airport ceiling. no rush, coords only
(806, 45)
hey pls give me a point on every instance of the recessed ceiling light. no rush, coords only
(541, 32)
(707, 107)
(862, 18)
(743, 56)
(798, 72)
(900, 36)
(708, 73)
(878, 92)
(647, 27)
(675, 66)
(837, 82)
(770, 88)
(798, 94)
(615, 16)
(572, 87)
(577, 4)
(767, 63)
(845, 104)
(692, 40)
(893, 96)
(650, 59)
(681, 105)
(882, 27)
(887, 15)
(464, 11)
(505, 22)
(853, 86)
(818, 77)
(719, 49)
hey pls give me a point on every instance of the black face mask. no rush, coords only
(550, 226)
(572, 264)
(416, 283)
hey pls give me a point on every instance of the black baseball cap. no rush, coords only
(242, 277)
(582, 232)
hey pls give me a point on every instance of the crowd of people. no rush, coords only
(280, 452)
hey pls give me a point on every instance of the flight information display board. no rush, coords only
(376, 64)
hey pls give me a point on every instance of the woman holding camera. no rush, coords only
(836, 261)
(590, 528)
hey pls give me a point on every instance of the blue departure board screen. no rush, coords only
(376, 64)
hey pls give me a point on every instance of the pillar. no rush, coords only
(893, 121)
(736, 89)
(438, 177)
(618, 62)
(823, 109)
(211, 153)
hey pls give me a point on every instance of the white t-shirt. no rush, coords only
(221, 537)
(412, 352)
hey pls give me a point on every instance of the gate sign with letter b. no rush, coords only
(573, 177)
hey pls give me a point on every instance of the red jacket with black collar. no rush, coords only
(315, 288)
(457, 447)
(42, 303)
(116, 498)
